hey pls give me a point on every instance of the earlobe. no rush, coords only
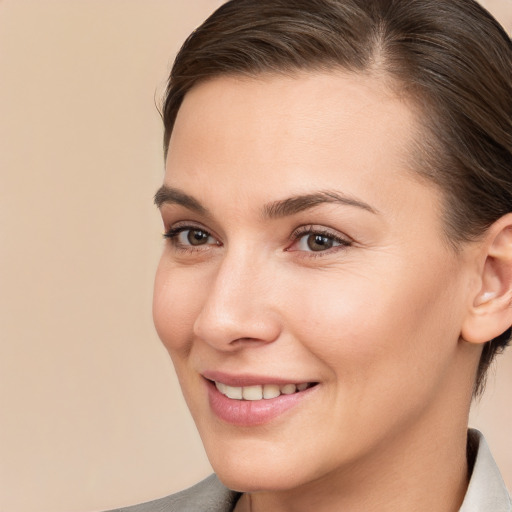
(491, 310)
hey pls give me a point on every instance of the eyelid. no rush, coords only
(321, 230)
(178, 227)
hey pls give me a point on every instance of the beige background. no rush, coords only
(90, 413)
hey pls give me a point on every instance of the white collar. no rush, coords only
(486, 491)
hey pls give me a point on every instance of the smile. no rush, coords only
(260, 392)
(249, 403)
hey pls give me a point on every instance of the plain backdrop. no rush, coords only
(91, 416)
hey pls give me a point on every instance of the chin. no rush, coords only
(255, 480)
(255, 466)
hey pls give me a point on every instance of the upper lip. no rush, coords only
(243, 380)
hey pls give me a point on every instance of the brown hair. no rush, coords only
(451, 57)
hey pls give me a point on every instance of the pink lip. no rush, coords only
(248, 413)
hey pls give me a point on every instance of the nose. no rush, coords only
(240, 305)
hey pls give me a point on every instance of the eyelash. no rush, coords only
(173, 233)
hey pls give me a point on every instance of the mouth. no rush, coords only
(261, 391)
(247, 401)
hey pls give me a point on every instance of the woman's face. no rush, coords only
(303, 250)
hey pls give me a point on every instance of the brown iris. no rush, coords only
(197, 237)
(319, 242)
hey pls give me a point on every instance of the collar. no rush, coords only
(486, 491)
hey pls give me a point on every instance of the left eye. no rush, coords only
(318, 242)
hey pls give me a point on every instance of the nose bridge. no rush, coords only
(239, 303)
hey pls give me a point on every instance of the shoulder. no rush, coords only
(206, 496)
(486, 490)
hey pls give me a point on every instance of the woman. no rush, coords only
(337, 275)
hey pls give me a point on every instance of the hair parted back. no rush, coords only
(450, 57)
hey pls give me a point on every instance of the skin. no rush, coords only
(375, 320)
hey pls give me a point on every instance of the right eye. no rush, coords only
(190, 236)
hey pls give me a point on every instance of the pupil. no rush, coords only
(197, 237)
(319, 242)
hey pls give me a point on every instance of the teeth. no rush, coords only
(252, 392)
(232, 392)
(288, 389)
(258, 392)
(271, 391)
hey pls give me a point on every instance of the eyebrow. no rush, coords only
(276, 209)
(170, 195)
(296, 204)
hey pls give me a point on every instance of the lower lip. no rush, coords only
(248, 413)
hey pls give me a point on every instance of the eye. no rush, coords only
(312, 239)
(194, 237)
(190, 236)
(316, 242)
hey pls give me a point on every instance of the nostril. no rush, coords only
(244, 341)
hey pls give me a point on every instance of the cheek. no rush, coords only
(382, 324)
(387, 350)
(176, 303)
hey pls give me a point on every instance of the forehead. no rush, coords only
(259, 136)
(298, 103)
(334, 108)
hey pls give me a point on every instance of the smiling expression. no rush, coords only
(306, 293)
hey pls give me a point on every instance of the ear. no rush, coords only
(491, 310)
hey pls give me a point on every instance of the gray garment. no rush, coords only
(206, 496)
(486, 491)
